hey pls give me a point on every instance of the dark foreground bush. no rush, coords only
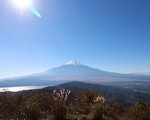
(140, 111)
(102, 112)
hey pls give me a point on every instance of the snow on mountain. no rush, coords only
(73, 63)
(72, 71)
(75, 69)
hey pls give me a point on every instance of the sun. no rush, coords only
(22, 4)
(26, 5)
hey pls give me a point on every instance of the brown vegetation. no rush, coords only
(83, 105)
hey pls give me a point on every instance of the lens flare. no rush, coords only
(35, 11)
(27, 5)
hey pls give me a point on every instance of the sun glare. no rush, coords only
(26, 5)
(22, 4)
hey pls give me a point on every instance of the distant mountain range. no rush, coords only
(142, 73)
(72, 71)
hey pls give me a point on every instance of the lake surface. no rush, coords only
(19, 88)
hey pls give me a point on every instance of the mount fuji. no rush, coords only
(71, 71)
(76, 69)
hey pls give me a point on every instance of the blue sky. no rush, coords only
(112, 35)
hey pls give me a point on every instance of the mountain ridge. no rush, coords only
(72, 71)
(110, 92)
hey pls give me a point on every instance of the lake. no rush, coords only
(19, 88)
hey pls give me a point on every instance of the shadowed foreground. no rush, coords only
(64, 104)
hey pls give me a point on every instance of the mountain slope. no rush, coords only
(72, 71)
(78, 70)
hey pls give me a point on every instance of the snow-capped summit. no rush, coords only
(72, 71)
(73, 62)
